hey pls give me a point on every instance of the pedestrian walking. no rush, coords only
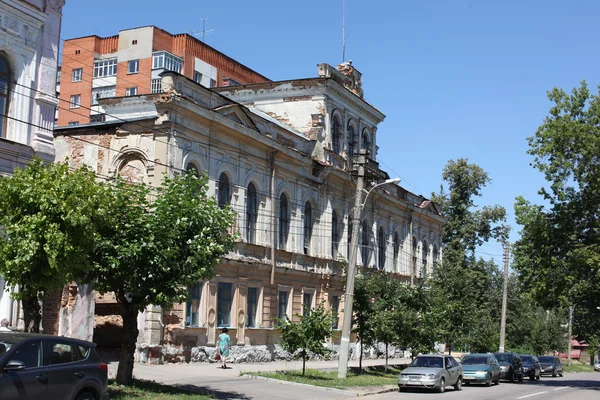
(223, 344)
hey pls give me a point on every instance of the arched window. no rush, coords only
(396, 245)
(251, 214)
(351, 141)
(308, 227)
(284, 220)
(4, 93)
(381, 244)
(224, 197)
(335, 235)
(192, 169)
(366, 141)
(424, 252)
(336, 134)
(414, 257)
(365, 245)
(435, 257)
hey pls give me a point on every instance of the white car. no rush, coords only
(597, 366)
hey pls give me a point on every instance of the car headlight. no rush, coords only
(403, 376)
(525, 369)
(430, 376)
(503, 368)
(481, 372)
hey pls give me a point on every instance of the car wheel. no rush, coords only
(85, 396)
(532, 377)
(554, 374)
(442, 387)
(498, 380)
(488, 383)
(521, 377)
(538, 377)
(458, 384)
(560, 374)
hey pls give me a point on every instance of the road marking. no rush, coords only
(531, 395)
(561, 388)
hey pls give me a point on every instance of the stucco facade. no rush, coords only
(29, 41)
(268, 152)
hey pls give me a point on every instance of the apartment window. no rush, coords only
(335, 234)
(133, 66)
(307, 299)
(308, 227)
(4, 93)
(396, 245)
(282, 304)
(349, 238)
(75, 101)
(73, 123)
(424, 252)
(102, 92)
(284, 220)
(223, 195)
(77, 74)
(156, 85)
(166, 60)
(381, 242)
(105, 68)
(193, 306)
(197, 77)
(351, 141)
(366, 141)
(77, 51)
(134, 42)
(251, 213)
(97, 117)
(336, 133)
(414, 256)
(335, 309)
(58, 74)
(252, 307)
(366, 250)
(213, 83)
(192, 169)
(224, 297)
(131, 91)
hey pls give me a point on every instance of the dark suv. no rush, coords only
(551, 365)
(531, 366)
(34, 366)
(511, 367)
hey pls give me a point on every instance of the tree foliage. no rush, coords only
(558, 255)
(308, 336)
(49, 217)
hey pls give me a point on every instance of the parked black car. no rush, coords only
(45, 367)
(511, 368)
(551, 365)
(531, 366)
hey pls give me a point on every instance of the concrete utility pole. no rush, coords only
(570, 335)
(350, 275)
(504, 298)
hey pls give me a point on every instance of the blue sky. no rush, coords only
(455, 78)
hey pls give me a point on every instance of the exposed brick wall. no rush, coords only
(50, 312)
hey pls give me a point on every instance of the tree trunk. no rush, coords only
(361, 350)
(130, 334)
(304, 365)
(31, 313)
(386, 357)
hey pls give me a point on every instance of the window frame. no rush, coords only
(73, 103)
(334, 305)
(103, 90)
(335, 234)
(252, 312)
(308, 293)
(194, 293)
(308, 227)
(197, 77)
(251, 213)
(77, 75)
(224, 190)
(5, 89)
(284, 221)
(336, 134)
(381, 248)
(105, 68)
(224, 314)
(131, 91)
(136, 66)
(286, 303)
(365, 253)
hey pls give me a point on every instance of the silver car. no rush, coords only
(432, 371)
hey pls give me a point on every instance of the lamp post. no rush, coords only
(349, 293)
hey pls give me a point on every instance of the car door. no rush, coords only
(494, 367)
(28, 383)
(451, 370)
(65, 369)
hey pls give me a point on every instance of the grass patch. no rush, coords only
(146, 390)
(369, 377)
(578, 367)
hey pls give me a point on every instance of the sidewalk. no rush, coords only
(230, 384)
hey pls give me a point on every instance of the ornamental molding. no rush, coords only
(21, 26)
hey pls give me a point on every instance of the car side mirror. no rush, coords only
(14, 365)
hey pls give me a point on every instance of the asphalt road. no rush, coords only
(576, 386)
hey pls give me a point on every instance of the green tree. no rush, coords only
(307, 337)
(593, 344)
(461, 281)
(558, 255)
(362, 313)
(153, 244)
(48, 216)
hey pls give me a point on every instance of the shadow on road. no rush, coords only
(583, 383)
(213, 394)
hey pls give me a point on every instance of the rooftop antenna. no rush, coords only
(203, 32)
(343, 31)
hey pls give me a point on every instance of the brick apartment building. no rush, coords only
(129, 64)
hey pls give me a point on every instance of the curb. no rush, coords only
(345, 392)
(389, 390)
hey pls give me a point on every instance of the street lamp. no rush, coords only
(349, 293)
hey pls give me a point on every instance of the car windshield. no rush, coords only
(527, 359)
(428, 362)
(546, 359)
(504, 357)
(474, 360)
